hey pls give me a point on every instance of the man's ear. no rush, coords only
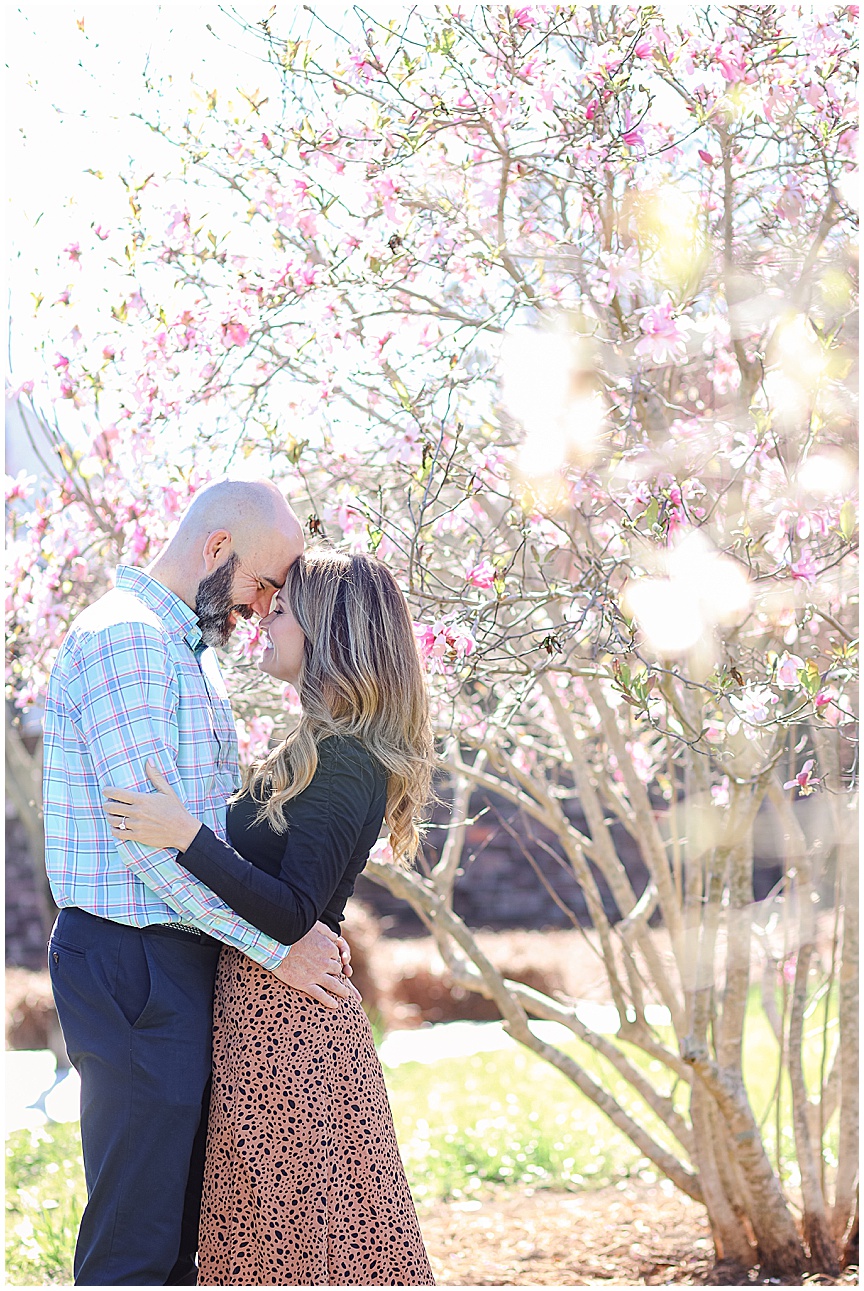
(216, 549)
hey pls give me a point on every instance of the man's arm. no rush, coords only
(124, 706)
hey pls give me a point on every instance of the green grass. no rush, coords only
(465, 1126)
(45, 1196)
(503, 1117)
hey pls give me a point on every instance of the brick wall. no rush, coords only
(26, 930)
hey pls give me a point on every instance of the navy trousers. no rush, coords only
(135, 1006)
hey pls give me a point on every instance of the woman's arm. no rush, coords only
(324, 825)
(325, 822)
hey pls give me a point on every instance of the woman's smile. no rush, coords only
(283, 642)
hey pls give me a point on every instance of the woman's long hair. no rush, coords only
(362, 676)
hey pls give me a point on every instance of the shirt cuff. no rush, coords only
(254, 949)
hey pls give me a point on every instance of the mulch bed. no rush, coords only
(638, 1234)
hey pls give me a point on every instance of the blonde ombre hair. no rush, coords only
(362, 676)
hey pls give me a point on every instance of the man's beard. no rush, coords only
(214, 604)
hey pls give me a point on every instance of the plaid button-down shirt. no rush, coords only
(132, 682)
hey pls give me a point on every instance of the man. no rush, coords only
(133, 953)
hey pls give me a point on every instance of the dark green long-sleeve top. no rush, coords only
(283, 883)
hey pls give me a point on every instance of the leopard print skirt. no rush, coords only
(303, 1183)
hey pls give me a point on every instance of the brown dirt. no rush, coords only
(637, 1234)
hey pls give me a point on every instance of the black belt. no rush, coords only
(176, 929)
(183, 931)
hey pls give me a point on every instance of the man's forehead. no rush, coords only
(272, 566)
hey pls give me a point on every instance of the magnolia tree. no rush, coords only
(551, 308)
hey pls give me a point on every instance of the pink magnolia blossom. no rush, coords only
(253, 738)
(482, 575)
(291, 700)
(26, 387)
(788, 669)
(73, 251)
(19, 488)
(791, 203)
(805, 568)
(720, 793)
(601, 64)
(234, 333)
(361, 67)
(665, 336)
(102, 442)
(443, 642)
(633, 135)
(382, 852)
(828, 706)
(804, 781)
(138, 543)
(306, 276)
(752, 710)
(731, 60)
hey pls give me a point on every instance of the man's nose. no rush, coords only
(261, 604)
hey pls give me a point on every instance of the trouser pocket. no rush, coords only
(133, 981)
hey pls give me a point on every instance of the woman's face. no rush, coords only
(283, 656)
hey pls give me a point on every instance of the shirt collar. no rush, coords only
(173, 612)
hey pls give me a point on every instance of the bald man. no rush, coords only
(133, 953)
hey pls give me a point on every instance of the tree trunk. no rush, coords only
(845, 1193)
(780, 1252)
(731, 1244)
(24, 790)
(817, 1234)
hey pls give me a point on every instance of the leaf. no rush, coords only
(293, 449)
(847, 519)
(401, 390)
(810, 677)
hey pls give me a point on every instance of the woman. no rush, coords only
(303, 1182)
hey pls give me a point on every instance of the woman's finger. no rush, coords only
(119, 795)
(157, 779)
